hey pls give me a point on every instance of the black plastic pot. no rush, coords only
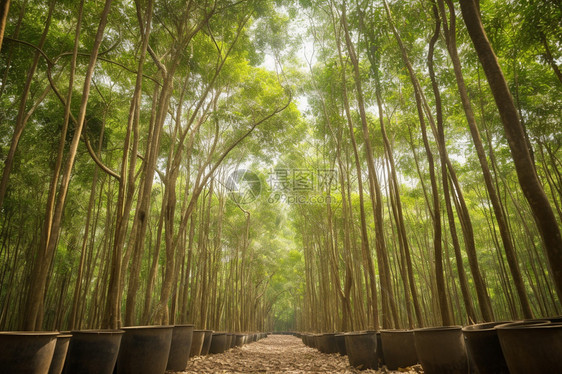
(239, 340)
(484, 349)
(92, 351)
(218, 343)
(532, 347)
(380, 353)
(59, 356)
(316, 341)
(180, 347)
(144, 350)
(230, 340)
(304, 339)
(441, 350)
(207, 342)
(197, 343)
(310, 340)
(340, 342)
(26, 352)
(399, 348)
(361, 350)
(327, 343)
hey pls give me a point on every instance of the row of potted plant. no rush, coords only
(136, 349)
(521, 347)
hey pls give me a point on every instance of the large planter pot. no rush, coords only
(441, 350)
(26, 352)
(327, 343)
(239, 340)
(361, 350)
(399, 348)
(197, 343)
(484, 349)
(340, 342)
(316, 341)
(144, 350)
(380, 353)
(92, 351)
(180, 347)
(218, 343)
(532, 347)
(230, 340)
(207, 342)
(309, 340)
(59, 356)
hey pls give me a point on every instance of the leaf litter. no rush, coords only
(279, 354)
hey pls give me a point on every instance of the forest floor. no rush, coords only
(278, 354)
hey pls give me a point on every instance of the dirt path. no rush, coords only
(274, 354)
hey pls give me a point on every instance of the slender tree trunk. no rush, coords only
(488, 179)
(33, 317)
(549, 57)
(528, 179)
(4, 9)
(76, 301)
(444, 175)
(394, 185)
(436, 212)
(21, 119)
(374, 190)
(367, 258)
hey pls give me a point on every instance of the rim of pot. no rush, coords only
(554, 319)
(484, 326)
(523, 324)
(397, 331)
(357, 333)
(555, 325)
(147, 327)
(438, 328)
(30, 333)
(98, 331)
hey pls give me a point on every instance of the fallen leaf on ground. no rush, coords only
(278, 354)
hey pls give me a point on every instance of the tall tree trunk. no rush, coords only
(389, 319)
(366, 253)
(127, 181)
(488, 179)
(4, 9)
(528, 178)
(446, 317)
(76, 301)
(33, 317)
(21, 119)
(395, 187)
(444, 175)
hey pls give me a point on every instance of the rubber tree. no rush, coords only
(528, 179)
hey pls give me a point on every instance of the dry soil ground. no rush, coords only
(277, 354)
